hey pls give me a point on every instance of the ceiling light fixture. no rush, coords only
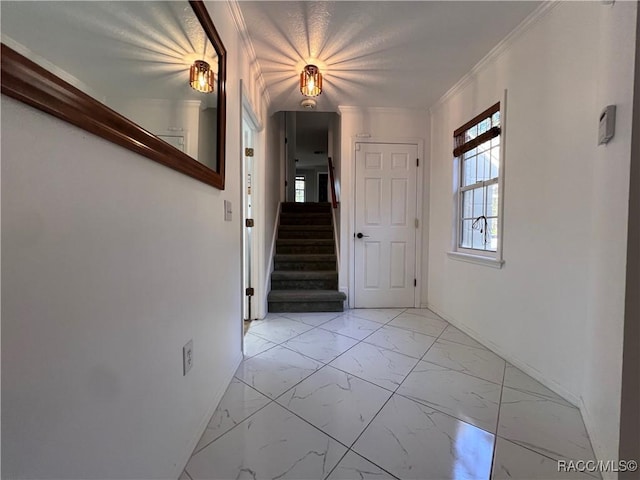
(201, 77)
(310, 81)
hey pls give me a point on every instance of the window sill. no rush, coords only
(477, 259)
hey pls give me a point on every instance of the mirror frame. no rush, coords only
(28, 82)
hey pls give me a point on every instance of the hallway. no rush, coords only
(382, 393)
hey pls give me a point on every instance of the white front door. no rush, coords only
(385, 225)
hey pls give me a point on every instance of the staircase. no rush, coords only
(305, 276)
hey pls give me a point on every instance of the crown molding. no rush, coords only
(399, 110)
(498, 50)
(241, 26)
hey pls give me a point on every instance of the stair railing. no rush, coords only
(332, 180)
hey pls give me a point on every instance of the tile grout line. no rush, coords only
(240, 422)
(495, 437)
(390, 397)
(349, 448)
(358, 341)
(394, 392)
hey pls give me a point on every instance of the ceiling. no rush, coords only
(132, 49)
(374, 53)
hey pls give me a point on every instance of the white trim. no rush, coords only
(498, 50)
(529, 370)
(267, 280)
(477, 259)
(251, 117)
(335, 237)
(503, 162)
(399, 110)
(241, 27)
(419, 143)
(258, 211)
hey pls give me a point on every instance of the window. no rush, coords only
(477, 154)
(300, 184)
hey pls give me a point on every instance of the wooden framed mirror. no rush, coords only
(121, 70)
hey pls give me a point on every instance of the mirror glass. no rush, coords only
(134, 57)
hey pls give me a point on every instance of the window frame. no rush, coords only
(304, 189)
(458, 252)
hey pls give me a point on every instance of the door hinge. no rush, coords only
(249, 292)
(248, 152)
(248, 222)
(417, 162)
(415, 282)
(357, 147)
(417, 223)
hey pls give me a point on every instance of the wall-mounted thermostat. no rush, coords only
(607, 128)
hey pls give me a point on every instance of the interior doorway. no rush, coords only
(253, 212)
(307, 153)
(323, 186)
(248, 221)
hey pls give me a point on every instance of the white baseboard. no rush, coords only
(267, 278)
(598, 449)
(206, 418)
(516, 362)
(345, 290)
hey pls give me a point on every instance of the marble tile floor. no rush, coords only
(382, 394)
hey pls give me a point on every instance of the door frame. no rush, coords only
(419, 211)
(249, 118)
(318, 184)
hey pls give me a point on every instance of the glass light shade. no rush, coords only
(310, 81)
(201, 77)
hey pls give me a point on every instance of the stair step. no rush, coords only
(305, 218)
(303, 275)
(306, 207)
(305, 232)
(304, 262)
(306, 301)
(307, 246)
(304, 280)
(302, 296)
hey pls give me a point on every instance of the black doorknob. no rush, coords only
(360, 235)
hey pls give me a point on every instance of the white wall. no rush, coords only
(164, 117)
(311, 181)
(630, 428)
(207, 138)
(560, 291)
(609, 205)
(111, 263)
(377, 124)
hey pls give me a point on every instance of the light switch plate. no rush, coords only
(187, 357)
(227, 211)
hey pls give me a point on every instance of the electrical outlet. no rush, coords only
(187, 357)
